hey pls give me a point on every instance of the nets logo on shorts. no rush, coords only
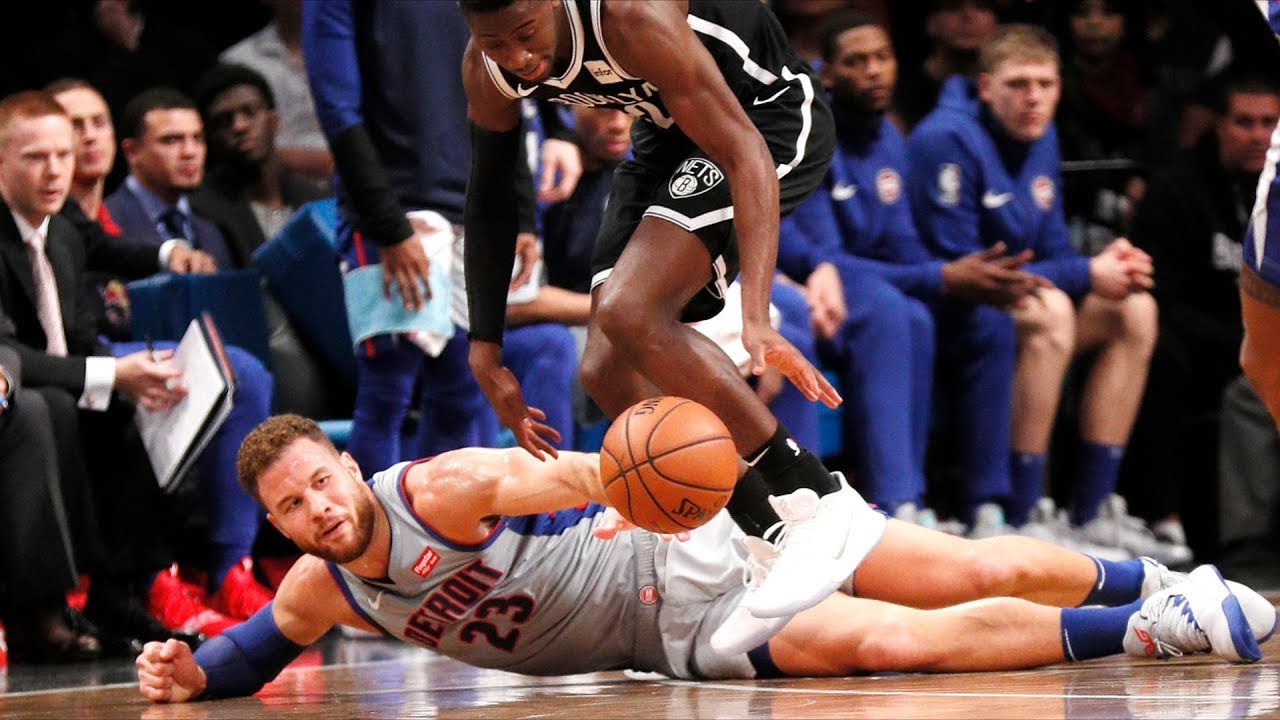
(694, 177)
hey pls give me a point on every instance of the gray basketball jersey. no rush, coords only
(540, 595)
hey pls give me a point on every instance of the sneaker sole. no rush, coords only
(1243, 642)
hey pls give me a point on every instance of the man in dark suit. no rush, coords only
(45, 320)
(119, 257)
(163, 143)
(36, 565)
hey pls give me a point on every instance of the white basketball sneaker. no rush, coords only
(821, 542)
(741, 631)
(1198, 615)
(1261, 614)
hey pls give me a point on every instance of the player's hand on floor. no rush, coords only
(527, 424)
(613, 523)
(168, 673)
(769, 349)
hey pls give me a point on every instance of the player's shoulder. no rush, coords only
(623, 19)
(941, 131)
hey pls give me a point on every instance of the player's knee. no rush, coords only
(990, 568)
(895, 644)
(593, 371)
(1050, 326)
(1140, 320)
(621, 319)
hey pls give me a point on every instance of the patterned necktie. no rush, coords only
(175, 224)
(48, 308)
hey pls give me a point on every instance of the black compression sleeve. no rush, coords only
(491, 224)
(381, 218)
(526, 222)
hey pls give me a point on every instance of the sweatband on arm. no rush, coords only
(490, 220)
(244, 658)
(378, 210)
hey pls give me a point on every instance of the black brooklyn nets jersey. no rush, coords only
(743, 37)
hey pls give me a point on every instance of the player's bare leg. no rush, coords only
(638, 310)
(947, 570)
(844, 635)
(1046, 330)
(1125, 332)
(1260, 305)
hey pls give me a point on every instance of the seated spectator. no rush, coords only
(985, 170)
(275, 52)
(854, 246)
(164, 147)
(110, 258)
(251, 194)
(36, 563)
(233, 525)
(1192, 222)
(957, 28)
(90, 394)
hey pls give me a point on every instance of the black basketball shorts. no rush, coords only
(671, 179)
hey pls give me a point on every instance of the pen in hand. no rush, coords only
(155, 358)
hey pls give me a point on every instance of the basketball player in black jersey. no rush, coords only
(734, 134)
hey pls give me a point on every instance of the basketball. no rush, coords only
(668, 464)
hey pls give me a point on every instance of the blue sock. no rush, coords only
(1089, 633)
(1095, 479)
(1026, 475)
(1119, 583)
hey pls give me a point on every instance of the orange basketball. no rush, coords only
(668, 464)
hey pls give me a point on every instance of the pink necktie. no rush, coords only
(47, 306)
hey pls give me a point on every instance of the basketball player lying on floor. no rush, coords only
(461, 554)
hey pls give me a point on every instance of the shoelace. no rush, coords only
(1174, 618)
(1164, 576)
(756, 568)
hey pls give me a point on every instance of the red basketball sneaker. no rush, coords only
(240, 595)
(181, 607)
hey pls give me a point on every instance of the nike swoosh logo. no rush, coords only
(771, 98)
(522, 91)
(376, 603)
(840, 193)
(992, 201)
(755, 460)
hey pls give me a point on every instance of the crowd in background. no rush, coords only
(200, 131)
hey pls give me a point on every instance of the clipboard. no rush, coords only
(174, 438)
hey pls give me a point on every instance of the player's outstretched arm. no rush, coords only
(462, 490)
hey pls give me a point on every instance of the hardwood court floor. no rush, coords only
(346, 678)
